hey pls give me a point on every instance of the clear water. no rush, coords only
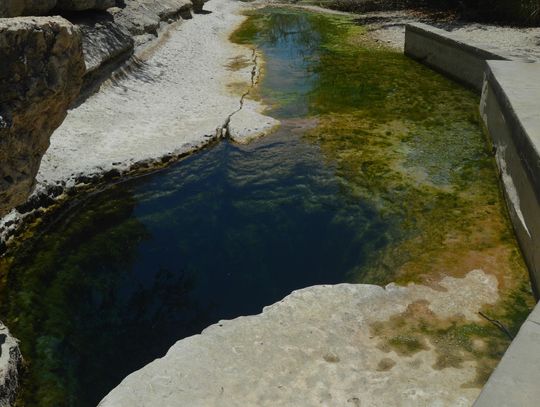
(334, 196)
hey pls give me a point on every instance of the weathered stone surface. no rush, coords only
(10, 364)
(243, 128)
(103, 41)
(78, 5)
(315, 347)
(15, 8)
(40, 75)
(140, 17)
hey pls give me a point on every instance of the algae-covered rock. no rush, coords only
(40, 75)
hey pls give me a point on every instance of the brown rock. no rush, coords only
(40, 76)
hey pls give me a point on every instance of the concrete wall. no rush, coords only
(510, 109)
(446, 53)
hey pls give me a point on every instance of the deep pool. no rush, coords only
(377, 163)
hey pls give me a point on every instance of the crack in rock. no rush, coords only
(224, 131)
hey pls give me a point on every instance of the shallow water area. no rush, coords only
(378, 173)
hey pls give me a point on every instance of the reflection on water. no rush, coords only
(378, 162)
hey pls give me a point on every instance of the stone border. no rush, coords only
(449, 54)
(510, 110)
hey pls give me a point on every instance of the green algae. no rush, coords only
(408, 141)
(36, 303)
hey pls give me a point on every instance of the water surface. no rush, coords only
(379, 173)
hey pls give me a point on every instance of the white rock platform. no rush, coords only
(313, 348)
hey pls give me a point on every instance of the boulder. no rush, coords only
(10, 365)
(40, 76)
(79, 5)
(15, 8)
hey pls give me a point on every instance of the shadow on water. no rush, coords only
(361, 177)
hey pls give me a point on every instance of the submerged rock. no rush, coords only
(10, 364)
(41, 78)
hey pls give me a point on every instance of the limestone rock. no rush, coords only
(40, 75)
(243, 128)
(10, 364)
(141, 17)
(15, 8)
(315, 347)
(79, 5)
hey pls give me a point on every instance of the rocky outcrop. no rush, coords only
(41, 80)
(10, 365)
(103, 40)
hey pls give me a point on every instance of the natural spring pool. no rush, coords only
(380, 172)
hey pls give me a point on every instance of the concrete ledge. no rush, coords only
(449, 54)
(515, 381)
(510, 109)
